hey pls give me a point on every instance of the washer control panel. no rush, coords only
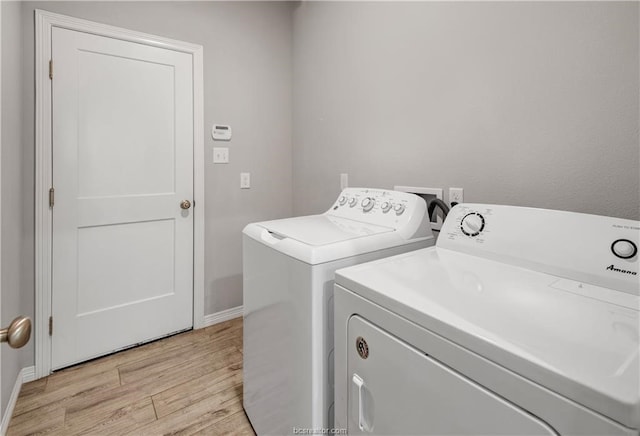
(598, 250)
(380, 206)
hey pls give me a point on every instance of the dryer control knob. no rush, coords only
(624, 248)
(342, 201)
(353, 202)
(386, 206)
(367, 204)
(399, 208)
(472, 224)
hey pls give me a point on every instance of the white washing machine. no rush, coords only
(288, 268)
(519, 321)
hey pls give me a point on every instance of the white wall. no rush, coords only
(17, 282)
(247, 72)
(519, 103)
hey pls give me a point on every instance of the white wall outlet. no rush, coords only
(456, 195)
(344, 181)
(245, 180)
(220, 155)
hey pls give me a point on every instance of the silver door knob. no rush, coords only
(185, 204)
(18, 332)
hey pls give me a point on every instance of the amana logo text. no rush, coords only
(624, 271)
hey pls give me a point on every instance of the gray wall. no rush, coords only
(247, 84)
(518, 103)
(17, 235)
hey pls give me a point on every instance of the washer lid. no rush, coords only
(318, 230)
(576, 339)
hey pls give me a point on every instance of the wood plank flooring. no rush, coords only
(186, 384)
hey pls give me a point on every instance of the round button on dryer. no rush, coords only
(624, 248)
(399, 208)
(367, 204)
(386, 206)
(353, 202)
(343, 200)
(472, 224)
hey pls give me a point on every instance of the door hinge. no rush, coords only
(50, 326)
(51, 69)
(52, 197)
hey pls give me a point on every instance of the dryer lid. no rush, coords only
(319, 230)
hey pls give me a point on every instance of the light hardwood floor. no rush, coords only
(186, 384)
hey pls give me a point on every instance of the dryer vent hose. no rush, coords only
(436, 202)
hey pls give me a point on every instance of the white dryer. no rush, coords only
(288, 269)
(519, 321)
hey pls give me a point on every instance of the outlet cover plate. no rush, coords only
(245, 180)
(344, 181)
(456, 195)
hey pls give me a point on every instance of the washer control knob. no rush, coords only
(342, 201)
(353, 202)
(399, 208)
(368, 203)
(624, 248)
(386, 206)
(472, 224)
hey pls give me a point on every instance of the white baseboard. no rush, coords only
(222, 316)
(25, 375)
(28, 374)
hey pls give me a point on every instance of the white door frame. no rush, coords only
(45, 21)
(2, 411)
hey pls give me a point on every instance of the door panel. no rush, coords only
(145, 126)
(122, 163)
(397, 389)
(144, 264)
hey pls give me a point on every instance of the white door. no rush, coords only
(122, 165)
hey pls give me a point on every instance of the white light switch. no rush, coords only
(220, 155)
(245, 180)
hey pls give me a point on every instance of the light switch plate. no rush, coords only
(221, 155)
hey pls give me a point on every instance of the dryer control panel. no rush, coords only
(593, 249)
(401, 211)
